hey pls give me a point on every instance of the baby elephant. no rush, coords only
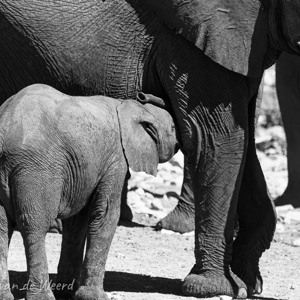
(67, 157)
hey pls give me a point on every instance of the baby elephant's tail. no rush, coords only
(1, 141)
(1, 146)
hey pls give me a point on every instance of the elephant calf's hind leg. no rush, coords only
(32, 196)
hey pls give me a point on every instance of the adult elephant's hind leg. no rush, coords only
(288, 91)
(216, 184)
(257, 220)
(182, 217)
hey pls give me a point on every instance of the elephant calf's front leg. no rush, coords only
(103, 217)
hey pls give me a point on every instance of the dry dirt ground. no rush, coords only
(147, 265)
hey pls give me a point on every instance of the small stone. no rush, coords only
(263, 143)
(156, 204)
(271, 152)
(280, 228)
(277, 132)
(296, 243)
(140, 192)
(225, 298)
(292, 216)
(284, 208)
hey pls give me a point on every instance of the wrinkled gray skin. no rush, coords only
(206, 59)
(68, 157)
(185, 209)
(288, 91)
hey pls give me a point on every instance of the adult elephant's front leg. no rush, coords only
(216, 181)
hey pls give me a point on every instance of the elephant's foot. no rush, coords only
(209, 284)
(248, 271)
(246, 266)
(181, 219)
(90, 293)
(248, 248)
(290, 196)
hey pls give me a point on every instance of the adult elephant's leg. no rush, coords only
(6, 230)
(182, 217)
(257, 217)
(210, 106)
(71, 257)
(288, 91)
(216, 186)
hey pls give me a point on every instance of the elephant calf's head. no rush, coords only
(148, 135)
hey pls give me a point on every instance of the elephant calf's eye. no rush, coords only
(151, 130)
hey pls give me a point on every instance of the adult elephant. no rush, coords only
(288, 91)
(207, 59)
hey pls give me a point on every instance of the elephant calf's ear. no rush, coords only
(138, 135)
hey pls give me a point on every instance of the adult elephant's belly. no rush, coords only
(108, 57)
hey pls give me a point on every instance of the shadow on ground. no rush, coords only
(114, 282)
(136, 283)
(117, 282)
(131, 224)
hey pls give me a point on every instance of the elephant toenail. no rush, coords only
(242, 293)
